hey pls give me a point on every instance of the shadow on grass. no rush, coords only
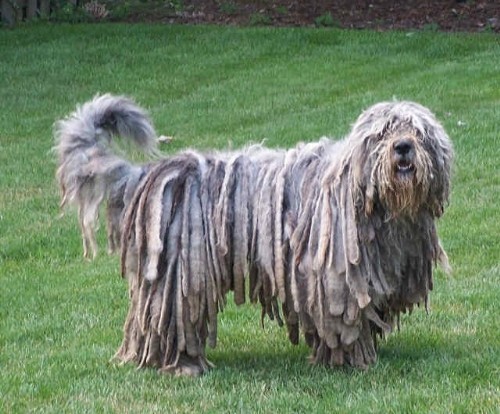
(262, 362)
(399, 354)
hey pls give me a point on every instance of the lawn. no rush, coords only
(217, 87)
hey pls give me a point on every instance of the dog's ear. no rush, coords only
(439, 145)
(366, 134)
(360, 175)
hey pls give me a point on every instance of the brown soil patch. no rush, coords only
(442, 15)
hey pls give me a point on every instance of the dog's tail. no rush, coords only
(89, 171)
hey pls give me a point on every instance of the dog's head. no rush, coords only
(401, 158)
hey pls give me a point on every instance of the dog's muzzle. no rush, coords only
(404, 156)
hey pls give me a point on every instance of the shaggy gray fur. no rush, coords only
(333, 238)
(89, 172)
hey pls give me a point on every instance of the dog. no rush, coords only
(334, 238)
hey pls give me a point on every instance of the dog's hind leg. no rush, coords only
(114, 214)
(113, 228)
(88, 215)
(88, 235)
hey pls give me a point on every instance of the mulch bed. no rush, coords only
(441, 15)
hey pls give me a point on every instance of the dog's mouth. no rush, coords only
(405, 169)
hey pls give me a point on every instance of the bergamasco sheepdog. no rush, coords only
(334, 238)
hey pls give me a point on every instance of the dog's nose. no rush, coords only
(403, 147)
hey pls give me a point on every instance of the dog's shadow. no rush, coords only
(407, 353)
(399, 353)
(259, 360)
(243, 345)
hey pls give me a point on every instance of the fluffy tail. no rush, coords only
(88, 170)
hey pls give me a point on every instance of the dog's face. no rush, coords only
(401, 170)
(406, 159)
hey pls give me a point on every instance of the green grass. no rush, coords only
(214, 87)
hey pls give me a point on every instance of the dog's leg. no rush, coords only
(161, 329)
(87, 235)
(89, 220)
(188, 366)
(113, 228)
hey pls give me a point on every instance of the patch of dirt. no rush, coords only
(440, 15)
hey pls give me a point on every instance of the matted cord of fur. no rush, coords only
(333, 238)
